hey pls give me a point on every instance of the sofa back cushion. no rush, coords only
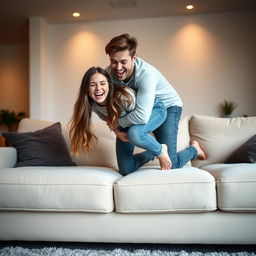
(103, 152)
(219, 137)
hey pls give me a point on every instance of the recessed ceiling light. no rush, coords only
(190, 7)
(76, 14)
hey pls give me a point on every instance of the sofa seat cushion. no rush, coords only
(236, 186)
(86, 189)
(152, 190)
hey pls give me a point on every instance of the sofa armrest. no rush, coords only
(8, 157)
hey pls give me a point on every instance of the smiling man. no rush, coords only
(127, 69)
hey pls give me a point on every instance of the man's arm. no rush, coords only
(145, 98)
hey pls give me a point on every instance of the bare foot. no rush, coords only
(200, 153)
(164, 160)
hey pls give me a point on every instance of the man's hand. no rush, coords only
(114, 127)
(121, 135)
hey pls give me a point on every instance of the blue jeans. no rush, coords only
(138, 135)
(167, 134)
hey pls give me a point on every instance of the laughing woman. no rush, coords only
(110, 102)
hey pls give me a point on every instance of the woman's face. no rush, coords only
(99, 88)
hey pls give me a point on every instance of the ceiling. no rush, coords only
(14, 14)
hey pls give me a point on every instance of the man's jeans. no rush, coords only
(139, 136)
(167, 134)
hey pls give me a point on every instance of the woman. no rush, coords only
(111, 102)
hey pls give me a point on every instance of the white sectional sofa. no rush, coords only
(206, 202)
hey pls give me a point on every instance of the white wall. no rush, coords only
(207, 58)
(38, 67)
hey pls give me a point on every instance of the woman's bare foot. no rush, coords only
(200, 153)
(164, 159)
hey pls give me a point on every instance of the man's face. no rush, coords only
(122, 64)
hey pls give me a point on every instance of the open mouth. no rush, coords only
(98, 95)
(120, 74)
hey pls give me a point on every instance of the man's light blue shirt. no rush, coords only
(149, 84)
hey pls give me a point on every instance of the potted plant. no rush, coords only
(10, 119)
(228, 107)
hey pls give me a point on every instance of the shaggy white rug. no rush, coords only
(53, 251)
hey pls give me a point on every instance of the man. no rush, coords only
(127, 69)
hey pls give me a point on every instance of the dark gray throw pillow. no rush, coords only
(246, 153)
(44, 147)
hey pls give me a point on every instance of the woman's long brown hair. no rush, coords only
(80, 132)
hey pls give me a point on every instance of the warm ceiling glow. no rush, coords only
(190, 7)
(76, 14)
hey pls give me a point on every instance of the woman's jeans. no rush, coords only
(139, 136)
(166, 133)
